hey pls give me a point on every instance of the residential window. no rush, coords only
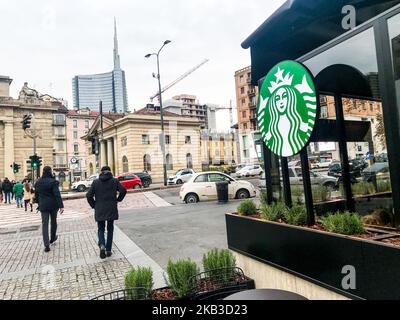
(76, 148)
(188, 140)
(59, 119)
(243, 102)
(75, 135)
(125, 164)
(124, 141)
(244, 114)
(167, 139)
(241, 79)
(147, 162)
(86, 124)
(169, 162)
(189, 161)
(371, 107)
(245, 126)
(75, 123)
(145, 139)
(242, 90)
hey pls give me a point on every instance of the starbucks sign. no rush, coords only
(287, 108)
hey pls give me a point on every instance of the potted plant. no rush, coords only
(220, 278)
(278, 236)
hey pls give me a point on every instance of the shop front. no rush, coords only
(356, 74)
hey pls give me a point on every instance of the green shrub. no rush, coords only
(384, 185)
(363, 188)
(344, 223)
(321, 193)
(139, 278)
(179, 275)
(219, 259)
(380, 217)
(297, 216)
(297, 195)
(274, 212)
(247, 208)
(263, 198)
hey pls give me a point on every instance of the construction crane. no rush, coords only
(230, 108)
(188, 73)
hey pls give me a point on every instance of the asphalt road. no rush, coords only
(180, 231)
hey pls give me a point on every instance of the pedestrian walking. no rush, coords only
(12, 189)
(18, 191)
(28, 196)
(48, 197)
(103, 196)
(7, 189)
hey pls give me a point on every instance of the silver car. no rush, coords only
(181, 176)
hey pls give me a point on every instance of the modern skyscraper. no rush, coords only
(110, 87)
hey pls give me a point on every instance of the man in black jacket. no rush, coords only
(7, 189)
(48, 197)
(103, 196)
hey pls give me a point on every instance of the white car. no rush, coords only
(202, 187)
(181, 176)
(249, 171)
(321, 165)
(83, 185)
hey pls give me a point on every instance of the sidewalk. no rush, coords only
(72, 269)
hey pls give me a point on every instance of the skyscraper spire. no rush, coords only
(117, 63)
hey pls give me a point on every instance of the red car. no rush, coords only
(130, 181)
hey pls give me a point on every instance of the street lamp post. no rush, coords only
(161, 108)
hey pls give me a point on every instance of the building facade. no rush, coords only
(218, 148)
(78, 125)
(110, 88)
(16, 146)
(188, 106)
(246, 101)
(132, 143)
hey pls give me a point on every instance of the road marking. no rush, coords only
(156, 200)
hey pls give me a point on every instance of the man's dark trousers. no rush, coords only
(46, 215)
(110, 233)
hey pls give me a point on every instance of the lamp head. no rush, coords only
(148, 55)
(166, 42)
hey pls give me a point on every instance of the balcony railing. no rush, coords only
(59, 166)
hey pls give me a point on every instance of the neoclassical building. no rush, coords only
(16, 146)
(131, 143)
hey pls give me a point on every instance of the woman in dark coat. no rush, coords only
(103, 196)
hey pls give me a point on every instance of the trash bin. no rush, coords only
(222, 191)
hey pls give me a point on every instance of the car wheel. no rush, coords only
(146, 183)
(191, 198)
(81, 188)
(136, 187)
(179, 181)
(243, 194)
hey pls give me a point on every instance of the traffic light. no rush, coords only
(26, 121)
(15, 167)
(36, 161)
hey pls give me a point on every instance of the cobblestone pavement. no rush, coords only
(72, 269)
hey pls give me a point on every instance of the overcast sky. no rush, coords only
(47, 42)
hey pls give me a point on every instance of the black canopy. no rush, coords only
(300, 26)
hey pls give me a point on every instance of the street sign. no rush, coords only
(287, 108)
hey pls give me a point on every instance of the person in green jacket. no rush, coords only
(18, 193)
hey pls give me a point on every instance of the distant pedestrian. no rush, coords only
(28, 196)
(1, 191)
(18, 190)
(48, 196)
(103, 196)
(7, 189)
(12, 189)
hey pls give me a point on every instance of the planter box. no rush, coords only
(319, 257)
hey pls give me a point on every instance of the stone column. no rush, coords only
(110, 154)
(103, 154)
(116, 159)
(8, 150)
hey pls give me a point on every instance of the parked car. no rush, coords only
(145, 178)
(356, 167)
(181, 176)
(382, 157)
(296, 178)
(83, 185)
(250, 171)
(379, 170)
(202, 187)
(130, 181)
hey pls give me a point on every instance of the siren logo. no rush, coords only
(287, 108)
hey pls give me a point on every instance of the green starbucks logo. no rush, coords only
(287, 108)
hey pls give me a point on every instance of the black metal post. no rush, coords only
(344, 156)
(267, 170)
(287, 193)
(305, 169)
(162, 121)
